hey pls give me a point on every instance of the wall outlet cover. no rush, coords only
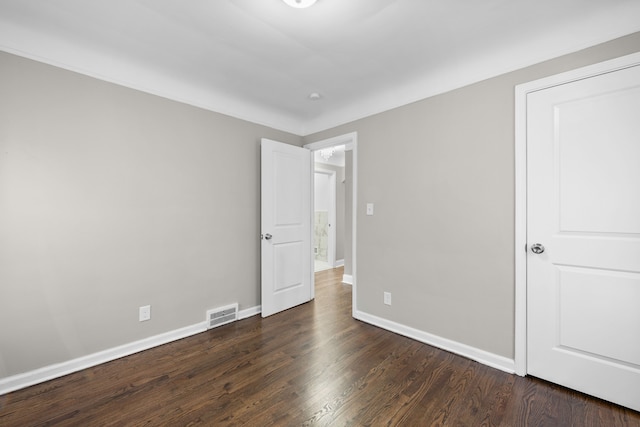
(144, 313)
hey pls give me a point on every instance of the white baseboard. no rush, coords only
(486, 358)
(339, 263)
(19, 381)
(347, 279)
(50, 372)
(248, 312)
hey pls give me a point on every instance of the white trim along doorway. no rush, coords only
(350, 141)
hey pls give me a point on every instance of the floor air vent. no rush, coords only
(222, 315)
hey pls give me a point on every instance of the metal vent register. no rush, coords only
(222, 315)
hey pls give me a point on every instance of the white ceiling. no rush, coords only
(260, 59)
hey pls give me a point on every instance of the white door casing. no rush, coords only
(582, 320)
(285, 226)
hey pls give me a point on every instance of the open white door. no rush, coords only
(286, 226)
(583, 284)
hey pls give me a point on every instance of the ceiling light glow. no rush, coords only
(327, 153)
(300, 4)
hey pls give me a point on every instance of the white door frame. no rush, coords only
(521, 91)
(331, 233)
(350, 140)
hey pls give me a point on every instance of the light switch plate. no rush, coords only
(387, 298)
(369, 208)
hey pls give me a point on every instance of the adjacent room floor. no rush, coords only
(321, 266)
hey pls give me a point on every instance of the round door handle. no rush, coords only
(268, 236)
(537, 248)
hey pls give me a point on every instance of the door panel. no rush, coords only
(598, 162)
(288, 261)
(585, 297)
(286, 226)
(583, 206)
(287, 187)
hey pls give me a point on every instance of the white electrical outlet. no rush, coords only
(144, 313)
(387, 298)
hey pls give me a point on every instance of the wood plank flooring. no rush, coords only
(311, 365)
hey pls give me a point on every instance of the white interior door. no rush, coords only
(286, 226)
(583, 207)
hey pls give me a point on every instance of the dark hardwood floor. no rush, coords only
(311, 365)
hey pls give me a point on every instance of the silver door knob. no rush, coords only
(537, 248)
(268, 236)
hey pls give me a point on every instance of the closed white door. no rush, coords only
(286, 226)
(583, 235)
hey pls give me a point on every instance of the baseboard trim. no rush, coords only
(57, 370)
(347, 279)
(339, 263)
(19, 381)
(249, 312)
(486, 358)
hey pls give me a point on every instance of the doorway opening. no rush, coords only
(328, 225)
(334, 164)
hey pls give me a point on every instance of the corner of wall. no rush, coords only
(481, 356)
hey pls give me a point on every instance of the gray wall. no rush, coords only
(441, 174)
(111, 199)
